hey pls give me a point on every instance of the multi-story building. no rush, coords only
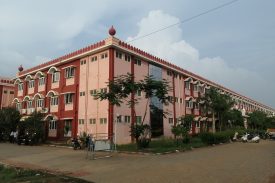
(6, 92)
(63, 89)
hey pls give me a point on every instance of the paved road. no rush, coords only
(233, 163)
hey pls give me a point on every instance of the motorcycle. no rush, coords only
(25, 139)
(76, 143)
(250, 138)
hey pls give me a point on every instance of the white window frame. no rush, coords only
(54, 100)
(187, 85)
(68, 98)
(40, 103)
(127, 119)
(29, 104)
(138, 93)
(189, 104)
(20, 86)
(52, 125)
(31, 84)
(55, 77)
(19, 106)
(70, 72)
(196, 87)
(41, 81)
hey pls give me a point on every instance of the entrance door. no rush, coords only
(52, 128)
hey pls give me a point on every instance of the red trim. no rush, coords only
(64, 57)
(133, 117)
(111, 107)
(1, 93)
(174, 101)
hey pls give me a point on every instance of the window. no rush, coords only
(181, 100)
(5, 91)
(40, 103)
(41, 81)
(54, 100)
(176, 99)
(93, 92)
(82, 62)
(93, 121)
(189, 104)
(93, 59)
(31, 83)
(197, 124)
(82, 93)
(19, 106)
(196, 87)
(69, 72)
(20, 86)
(127, 119)
(170, 99)
(169, 73)
(138, 93)
(170, 120)
(68, 128)
(118, 55)
(187, 85)
(29, 104)
(55, 77)
(104, 55)
(127, 58)
(103, 90)
(176, 75)
(137, 61)
(103, 120)
(196, 105)
(68, 97)
(81, 121)
(52, 125)
(138, 119)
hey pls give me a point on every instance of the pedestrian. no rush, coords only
(15, 135)
(11, 136)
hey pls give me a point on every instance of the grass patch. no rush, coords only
(163, 145)
(14, 175)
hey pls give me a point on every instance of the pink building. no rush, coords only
(63, 89)
(6, 92)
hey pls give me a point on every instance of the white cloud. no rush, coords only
(169, 44)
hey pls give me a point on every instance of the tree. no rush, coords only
(216, 103)
(35, 126)
(124, 85)
(9, 119)
(234, 118)
(258, 120)
(182, 129)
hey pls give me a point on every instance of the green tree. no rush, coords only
(9, 119)
(257, 120)
(217, 104)
(182, 129)
(124, 85)
(235, 118)
(35, 126)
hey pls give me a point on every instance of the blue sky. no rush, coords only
(233, 46)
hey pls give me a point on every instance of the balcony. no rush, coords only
(30, 111)
(23, 111)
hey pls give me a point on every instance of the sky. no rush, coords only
(233, 46)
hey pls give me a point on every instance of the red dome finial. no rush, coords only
(20, 68)
(112, 31)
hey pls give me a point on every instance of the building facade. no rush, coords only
(6, 92)
(63, 89)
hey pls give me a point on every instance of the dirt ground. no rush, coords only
(232, 163)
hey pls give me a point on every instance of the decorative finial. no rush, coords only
(112, 31)
(20, 68)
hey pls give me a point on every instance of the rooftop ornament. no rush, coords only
(112, 31)
(20, 68)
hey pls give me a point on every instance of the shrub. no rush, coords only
(216, 138)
